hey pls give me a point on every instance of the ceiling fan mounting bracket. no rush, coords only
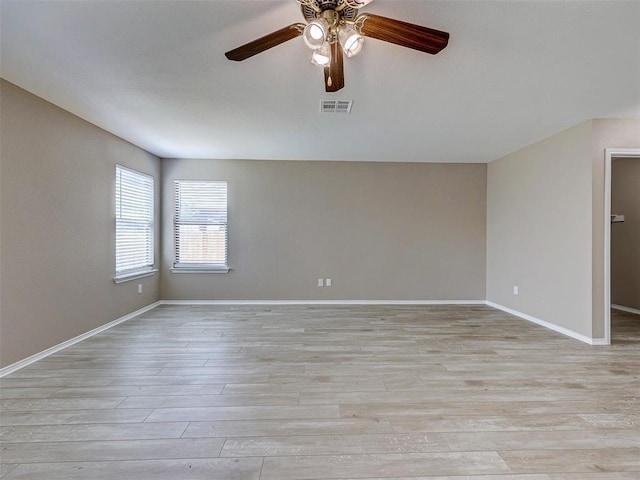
(313, 9)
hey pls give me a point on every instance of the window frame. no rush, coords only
(202, 267)
(147, 183)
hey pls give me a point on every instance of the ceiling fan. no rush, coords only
(334, 28)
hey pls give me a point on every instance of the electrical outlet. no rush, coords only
(515, 290)
(327, 282)
(320, 282)
(139, 288)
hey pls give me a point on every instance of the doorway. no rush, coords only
(611, 155)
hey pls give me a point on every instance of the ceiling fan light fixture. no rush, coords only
(335, 29)
(322, 56)
(315, 33)
(350, 41)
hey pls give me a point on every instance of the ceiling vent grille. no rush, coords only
(335, 106)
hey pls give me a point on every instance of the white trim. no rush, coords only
(211, 269)
(322, 302)
(609, 155)
(550, 326)
(61, 346)
(626, 309)
(134, 276)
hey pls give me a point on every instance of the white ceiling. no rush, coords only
(154, 73)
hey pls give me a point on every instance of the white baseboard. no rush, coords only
(626, 309)
(550, 326)
(322, 302)
(61, 346)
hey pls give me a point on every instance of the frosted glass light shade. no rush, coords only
(315, 33)
(321, 56)
(351, 41)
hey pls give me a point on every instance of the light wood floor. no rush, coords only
(278, 393)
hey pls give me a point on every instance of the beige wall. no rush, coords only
(381, 231)
(625, 237)
(539, 230)
(545, 208)
(606, 134)
(57, 226)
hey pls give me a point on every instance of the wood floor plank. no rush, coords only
(204, 414)
(302, 467)
(534, 476)
(90, 451)
(571, 461)
(333, 445)
(189, 379)
(248, 428)
(385, 404)
(83, 403)
(327, 393)
(441, 396)
(67, 417)
(94, 431)
(305, 387)
(28, 392)
(183, 469)
(460, 477)
(496, 423)
(543, 440)
(233, 370)
(85, 381)
(188, 401)
(105, 363)
(596, 476)
(79, 372)
(140, 390)
(613, 420)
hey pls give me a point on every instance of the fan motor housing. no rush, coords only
(345, 11)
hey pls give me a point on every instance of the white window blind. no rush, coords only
(200, 225)
(134, 222)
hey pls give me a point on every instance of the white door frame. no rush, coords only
(609, 155)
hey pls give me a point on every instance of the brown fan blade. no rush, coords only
(334, 73)
(402, 33)
(265, 43)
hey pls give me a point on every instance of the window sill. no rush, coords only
(134, 276)
(200, 270)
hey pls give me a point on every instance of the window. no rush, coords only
(134, 224)
(200, 226)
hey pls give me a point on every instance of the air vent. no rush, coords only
(335, 106)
